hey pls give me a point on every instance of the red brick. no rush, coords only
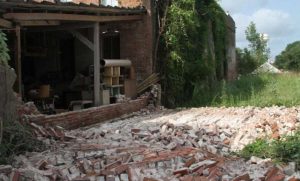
(16, 176)
(182, 171)
(190, 162)
(245, 177)
(149, 179)
(274, 174)
(294, 179)
(187, 178)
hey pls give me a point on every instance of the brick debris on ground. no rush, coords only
(183, 145)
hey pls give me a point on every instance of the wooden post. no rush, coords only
(18, 64)
(96, 64)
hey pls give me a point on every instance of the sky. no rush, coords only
(280, 19)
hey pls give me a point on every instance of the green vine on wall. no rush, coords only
(4, 56)
(193, 48)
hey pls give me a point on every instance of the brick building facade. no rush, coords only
(137, 39)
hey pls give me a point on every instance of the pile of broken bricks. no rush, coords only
(167, 153)
(146, 148)
(50, 132)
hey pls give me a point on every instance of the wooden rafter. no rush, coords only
(39, 23)
(69, 17)
(5, 24)
(83, 39)
(63, 27)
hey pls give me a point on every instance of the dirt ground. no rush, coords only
(188, 144)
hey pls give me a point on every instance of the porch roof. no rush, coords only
(50, 12)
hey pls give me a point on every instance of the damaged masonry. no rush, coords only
(87, 74)
(193, 144)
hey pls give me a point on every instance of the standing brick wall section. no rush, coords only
(86, 117)
(130, 3)
(137, 39)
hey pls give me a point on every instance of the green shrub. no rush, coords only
(246, 62)
(260, 148)
(4, 56)
(286, 149)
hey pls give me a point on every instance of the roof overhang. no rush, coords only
(53, 14)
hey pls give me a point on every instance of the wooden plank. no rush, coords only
(5, 24)
(18, 83)
(83, 39)
(39, 23)
(96, 64)
(69, 17)
(63, 27)
(152, 79)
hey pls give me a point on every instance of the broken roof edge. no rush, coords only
(70, 6)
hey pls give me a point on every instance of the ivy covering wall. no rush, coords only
(4, 56)
(193, 49)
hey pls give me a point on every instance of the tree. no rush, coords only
(289, 58)
(246, 62)
(4, 56)
(258, 44)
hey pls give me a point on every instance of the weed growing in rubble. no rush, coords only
(259, 148)
(286, 149)
(17, 139)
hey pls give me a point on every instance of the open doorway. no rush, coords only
(111, 45)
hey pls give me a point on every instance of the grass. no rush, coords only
(251, 90)
(287, 149)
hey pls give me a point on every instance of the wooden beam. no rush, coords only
(83, 39)
(63, 27)
(18, 64)
(5, 24)
(69, 17)
(96, 64)
(39, 23)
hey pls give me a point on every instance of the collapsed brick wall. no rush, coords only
(77, 119)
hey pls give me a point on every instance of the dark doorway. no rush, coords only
(67, 58)
(111, 46)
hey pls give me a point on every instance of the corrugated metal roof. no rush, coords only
(84, 6)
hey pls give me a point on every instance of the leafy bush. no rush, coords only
(246, 62)
(4, 56)
(286, 149)
(289, 59)
(260, 148)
